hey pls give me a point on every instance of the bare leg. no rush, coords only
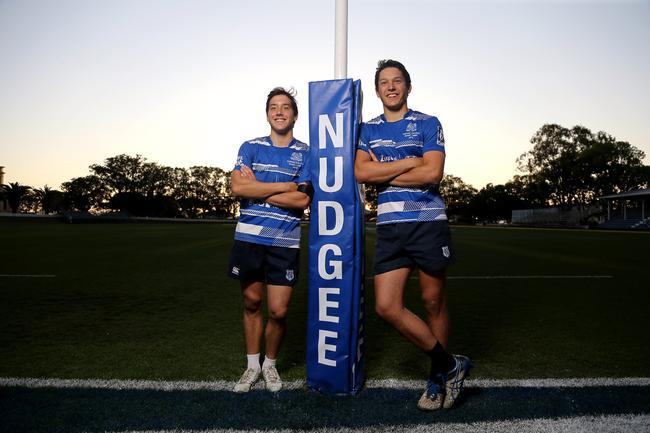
(253, 293)
(278, 301)
(435, 304)
(389, 304)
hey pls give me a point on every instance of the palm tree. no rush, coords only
(50, 200)
(15, 192)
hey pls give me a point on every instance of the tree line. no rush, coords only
(566, 167)
(136, 186)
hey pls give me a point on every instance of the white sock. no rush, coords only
(268, 362)
(253, 361)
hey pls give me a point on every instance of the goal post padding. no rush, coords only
(335, 355)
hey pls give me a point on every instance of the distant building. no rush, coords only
(623, 211)
(549, 217)
(4, 205)
(627, 210)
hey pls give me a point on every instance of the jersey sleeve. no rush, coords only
(433, 136)
(245, 156)
(304, 174)
(362, 143)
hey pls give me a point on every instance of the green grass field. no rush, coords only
(152, 301)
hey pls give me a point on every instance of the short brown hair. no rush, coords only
(282, 91)
(389, 63)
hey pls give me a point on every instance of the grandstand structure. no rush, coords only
(627, 210)
(624, 211)
(547, 217)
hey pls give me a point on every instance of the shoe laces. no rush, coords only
(248, 376)
(455, 382)
(271, 374)
(433, 389)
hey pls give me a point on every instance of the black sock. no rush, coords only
(441, 361)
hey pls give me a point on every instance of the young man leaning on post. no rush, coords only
(402, 151)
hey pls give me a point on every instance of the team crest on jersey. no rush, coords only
(445, 251)
(411, 130)
(235, 270)
(441, 137)
(295, 160)
(290, 275)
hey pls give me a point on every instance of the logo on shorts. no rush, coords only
(445, 251)
(235, 270)
(290, 274)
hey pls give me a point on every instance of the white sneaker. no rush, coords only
(247, 380)
(272, 379)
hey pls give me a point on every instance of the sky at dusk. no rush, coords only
(184, 83)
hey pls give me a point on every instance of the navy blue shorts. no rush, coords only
(424, 245)
(271, 265)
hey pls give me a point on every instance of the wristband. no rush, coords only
(306, 188)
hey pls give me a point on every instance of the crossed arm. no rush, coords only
(281, 194)
(409, 172)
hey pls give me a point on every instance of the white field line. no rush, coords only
(516, 277)
(520, 277)
(453, 277)
(524, 277)
(520, 383)
(581, 424)
(226, 385)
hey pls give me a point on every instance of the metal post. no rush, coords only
(341, 40)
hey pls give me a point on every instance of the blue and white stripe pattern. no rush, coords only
(410, 137)
(261, 222)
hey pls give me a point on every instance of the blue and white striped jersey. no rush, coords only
(261, 222)
(412, 136)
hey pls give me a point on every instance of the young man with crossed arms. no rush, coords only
(402, 151)
(272, 178)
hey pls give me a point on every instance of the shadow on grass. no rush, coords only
(99, 410)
